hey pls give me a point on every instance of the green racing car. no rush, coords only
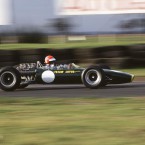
(94, 76)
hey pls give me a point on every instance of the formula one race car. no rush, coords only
(94, 76)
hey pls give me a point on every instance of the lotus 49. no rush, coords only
(95, 76)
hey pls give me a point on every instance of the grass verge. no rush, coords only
(54, 46)
(18, 46)
(79, 121)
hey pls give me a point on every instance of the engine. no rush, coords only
(26, 67)
(27, 71)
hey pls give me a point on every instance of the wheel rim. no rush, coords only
(8, 79)
(93, 77)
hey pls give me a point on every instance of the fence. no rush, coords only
(114, 56)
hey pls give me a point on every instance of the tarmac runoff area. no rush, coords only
(135, 89)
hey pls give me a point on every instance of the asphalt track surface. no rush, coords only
(135, 89)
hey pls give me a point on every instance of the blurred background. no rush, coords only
(82, 31)
(85, 32)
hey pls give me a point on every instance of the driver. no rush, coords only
(50, 62)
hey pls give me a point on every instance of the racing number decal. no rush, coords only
(66, 72)
(70, 72)
(48, 76)
(58, 72)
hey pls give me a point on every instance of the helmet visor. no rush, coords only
(52, 59)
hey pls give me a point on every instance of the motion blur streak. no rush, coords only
(5, 12)
(79, 7)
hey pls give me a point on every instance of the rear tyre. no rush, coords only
(10, 79)
(93, 77)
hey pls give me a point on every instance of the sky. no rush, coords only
(38, 13)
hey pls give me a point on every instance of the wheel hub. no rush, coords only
(93, 77)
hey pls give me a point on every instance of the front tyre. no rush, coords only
(103, 66)
(10, 79)
(93, 77)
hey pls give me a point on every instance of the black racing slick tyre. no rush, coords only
(93, 77)
(104, 66)
(10, 79)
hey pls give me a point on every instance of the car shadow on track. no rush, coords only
(120, 86)
(52, 88)
(77, 87)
